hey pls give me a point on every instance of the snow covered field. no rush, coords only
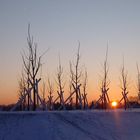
(70, 125)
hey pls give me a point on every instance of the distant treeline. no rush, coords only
(133, 104)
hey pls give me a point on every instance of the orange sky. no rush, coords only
(59, 25)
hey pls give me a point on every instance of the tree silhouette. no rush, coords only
(50, 96)
(32, 64)
(104, 98)
(75, 75)
(60, 85)
(138, 82)
(21, 91)
(84, 95)
(43, 96)
(124, 87)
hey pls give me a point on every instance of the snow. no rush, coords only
(70, 125)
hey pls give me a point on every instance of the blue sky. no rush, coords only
(59, 25)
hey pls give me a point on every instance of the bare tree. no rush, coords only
(27, 79)
(60, 85)
(84, 95)
(76, 77)
(104, 98)
(50, 96)
(26, 75)
(32, 63)
(124, 87)
(21, 91)
(70, 91)
(138, 82)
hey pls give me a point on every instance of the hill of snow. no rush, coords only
(70, 125)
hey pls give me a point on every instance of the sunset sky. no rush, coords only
(59, 25)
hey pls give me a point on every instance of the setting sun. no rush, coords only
(114, 104)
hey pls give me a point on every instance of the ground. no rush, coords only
(70, 125)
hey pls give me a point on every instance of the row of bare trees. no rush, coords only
(104, 97)
(29, 96)
(30, 99)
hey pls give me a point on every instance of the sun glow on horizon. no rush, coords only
(114, 104)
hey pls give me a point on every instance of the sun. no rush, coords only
(114, 104)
